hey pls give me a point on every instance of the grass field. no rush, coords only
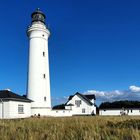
(71, 128)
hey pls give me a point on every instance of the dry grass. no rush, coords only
(71, 128)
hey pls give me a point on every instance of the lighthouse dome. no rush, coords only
(38, 16)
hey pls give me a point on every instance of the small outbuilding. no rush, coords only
(13, 105)
(119, 108)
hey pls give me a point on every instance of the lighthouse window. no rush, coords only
(43, 53)
(44, 98)
(44, 76)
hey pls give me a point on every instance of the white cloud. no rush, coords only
(134, 89)
(133, 93)
(106, 95)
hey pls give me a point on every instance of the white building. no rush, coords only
(13, 105)
(79, 104)
(119, 108)
(38, 89)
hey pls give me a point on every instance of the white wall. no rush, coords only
(61, 113)
(6, 109)
(0, 109)
(133, 112)
(10, 109)
(42, 111)
(117, 112)
(78, 110)
(105, 112)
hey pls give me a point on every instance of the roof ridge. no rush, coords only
(84, 97)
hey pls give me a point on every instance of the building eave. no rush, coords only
(15, 99)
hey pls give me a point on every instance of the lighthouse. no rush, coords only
(38, 89)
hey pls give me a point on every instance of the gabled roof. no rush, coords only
(120, 104)
(90, 96)
(85, 97)
(57, 107)
(6, 95)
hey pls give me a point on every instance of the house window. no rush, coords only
(44, 98)
(20, 109)
(44, 54)
(77, 103)
(83, 110)
(44, 76)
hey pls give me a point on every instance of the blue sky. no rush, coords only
(94, 46)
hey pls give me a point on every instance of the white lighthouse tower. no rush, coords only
(38, 89)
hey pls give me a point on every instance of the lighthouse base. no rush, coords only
(38, 109)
